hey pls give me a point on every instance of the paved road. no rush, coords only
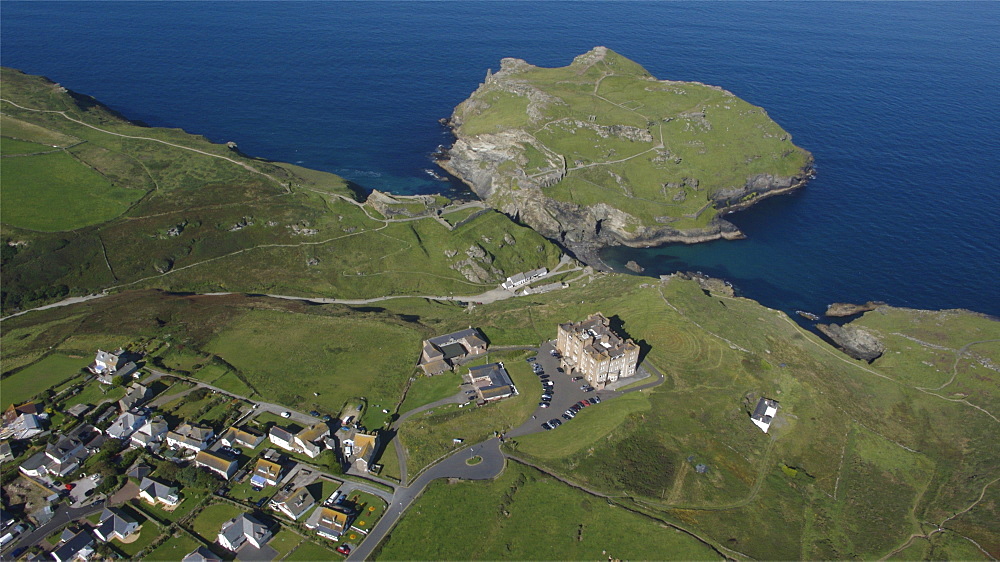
(62, 516)
(454, 466)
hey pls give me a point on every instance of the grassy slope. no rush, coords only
(708, 134)
(525, 515)
(119, 228)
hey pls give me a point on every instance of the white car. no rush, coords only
(286, 414)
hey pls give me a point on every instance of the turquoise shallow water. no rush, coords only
(895, 100)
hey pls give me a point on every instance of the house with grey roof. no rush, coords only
(156, 492)
(190, 436)
(443, 353)
(58, 459)
(764, 413)
(107, 361)
(127, 423)
(151, 434)
(6, 453)
(24, 426)
(137, 395)
(282, 438)
(201, 554)
(491, 382)
(241, 530)
(77, 547)
(294, 505)
(519, 279)
(115, 524)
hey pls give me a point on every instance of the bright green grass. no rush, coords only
(15, 146)
(94, 393)
(284, 541)
(370, 507)
(208, 522)
(310, 551)
(149, 533)
(425, 390)
(590, 425)
(35, 378)
(174, 548)
(31, 132)
(338, 358)
(54, 192)
(232, 383)
(524, 515)
(190, 498)
(428, 436)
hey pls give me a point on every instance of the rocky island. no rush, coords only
(601, 153)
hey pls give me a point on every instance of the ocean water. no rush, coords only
(897, 102)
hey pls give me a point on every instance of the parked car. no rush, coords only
(286, 414)
(567, 417)
(574, 379)
(597, 398)
(314, 413)
(546, 426)
(344, 549)
(543, 376)
(531, 359)
(555, 422)
(592, 400)
(575, 408)
(587, 388)
(543, 404)
(583, 403)
(570, 413)
(560, 369)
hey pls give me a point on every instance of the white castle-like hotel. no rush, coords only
(591, 349)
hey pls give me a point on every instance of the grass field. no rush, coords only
(310, 551)
(35, 378)
(55, 192)
(524, 515)
(208, 522)
(10, 146)
(174, 548)
(284, 541)
(425, 390)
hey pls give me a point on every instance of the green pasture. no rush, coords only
(174, 548)
(425, 390)
(525, 515)
(9, 146)
(337, 357)
(208, 522)
(37, 377)
(55, 192)
(309, 551)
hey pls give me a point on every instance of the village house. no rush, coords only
(593, 350)
(127, 423)
(115, 524)
(241, 437)
(281, 437)
(294, 505)
(360, 450)
(151, 434)
(58, 459)
(79, 546)
(137, 395)
(491, 382)
(107, 362)
(23, 426)
(241, 530)
(443, 353)
(329, 523)
(190, 436)
(312, 440)
(266, 473)
(201, 554)
(764, 413)
(218, 464)
(156, 492)
(519, 279)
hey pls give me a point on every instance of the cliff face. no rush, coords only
(599, 153)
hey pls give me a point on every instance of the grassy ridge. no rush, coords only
(152, 207)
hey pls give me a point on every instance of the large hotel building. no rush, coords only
(591, 349)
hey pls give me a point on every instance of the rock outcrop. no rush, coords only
(856, 342)
(582, 172)
(841, 309)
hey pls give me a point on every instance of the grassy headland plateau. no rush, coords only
(599, 152)
(93, 202)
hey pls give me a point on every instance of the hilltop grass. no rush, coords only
(429, 435)
(10, 146)
(54, 192)
(425, 390)
(34, 379)
(711, 140)
(525, 515)
(338, 358)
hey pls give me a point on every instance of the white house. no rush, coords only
(157, 492)
(222, 466)
(243, 529)
(115, 524)
(150, 434)
(126, 424)
(764, 413)
(519, 279)
(189, 436)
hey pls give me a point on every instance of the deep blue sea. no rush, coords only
(897, 101)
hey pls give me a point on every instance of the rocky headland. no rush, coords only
(600, 153)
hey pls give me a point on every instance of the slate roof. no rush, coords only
(114, 522)
(297, 503)
(158, 490)
(71, 547)
(243, 526)
(201, 554)
(491, 380)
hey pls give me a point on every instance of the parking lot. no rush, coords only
(565, 392)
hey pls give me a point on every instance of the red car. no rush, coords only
(344, 549)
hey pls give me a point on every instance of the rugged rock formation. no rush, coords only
(623, 166)
(841, 309)
(856, 342)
